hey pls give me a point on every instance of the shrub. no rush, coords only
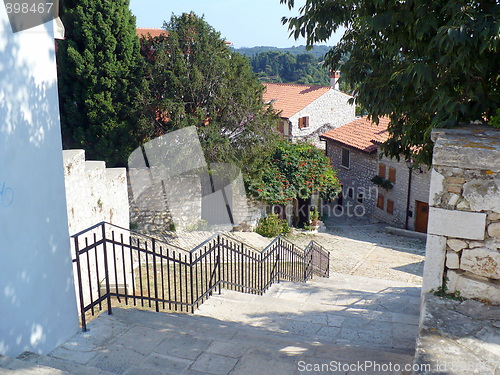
(272, 226)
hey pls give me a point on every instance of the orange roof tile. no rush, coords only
(361, 134)
(290, 98)
(154, 32)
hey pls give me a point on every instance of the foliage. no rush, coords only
(272, 226)
(201, 225)
(100, 80)
(317, 51)
(424, 63)
(196, 79)
(275, 66)
(442, 291)
(314, 215)
(295, 170)
(495, 120)
(382, 182)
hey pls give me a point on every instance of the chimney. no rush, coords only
(334, 79)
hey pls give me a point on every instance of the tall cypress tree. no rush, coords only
(101, 84)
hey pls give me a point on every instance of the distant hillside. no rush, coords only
(317, 51)
(277, 66)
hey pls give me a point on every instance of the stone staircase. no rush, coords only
(327, 322)
(344, 310)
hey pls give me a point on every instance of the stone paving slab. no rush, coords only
(13, 366)
(190, 350)
(370, 313)
(458, 338)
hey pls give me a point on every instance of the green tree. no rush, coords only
(196, 79)
(101, 83)
(295, 170)
(277, 66)
(424, 63)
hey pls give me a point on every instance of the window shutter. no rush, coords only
(392, 175)
(381, 170)
(345, 162)
(380, 201)
(390, 206)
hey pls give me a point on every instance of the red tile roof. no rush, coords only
(143, 31)
(154, 32)
(290, 98)
(361, 134)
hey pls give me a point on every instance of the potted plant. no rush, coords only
(314, 217)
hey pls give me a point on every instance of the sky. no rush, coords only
(245, 23)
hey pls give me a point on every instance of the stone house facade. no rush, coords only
(353, 152)
(307, 111)
(391, 204)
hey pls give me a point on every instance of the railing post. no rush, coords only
(192, 282)
(261, 273)
(278, 259)
(80, 287)
(328, 264)
(106, 271)
(219, 264)
(155, 277)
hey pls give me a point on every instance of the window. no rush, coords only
(380, 201)
(392, 175)
(345, 158)
(381, 170)
(303, 122)
(350, 192)
(390, 206)
(281, 127)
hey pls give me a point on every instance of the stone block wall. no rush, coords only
(419, 191)
(332, 108)
(94, 193)
(463, 245)
(357, 177)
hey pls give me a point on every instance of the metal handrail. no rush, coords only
(162, 274)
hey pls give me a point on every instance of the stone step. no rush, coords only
(387, 319)
(95, 170)
(232, 338)
(74, 162)
(14, 366)
(60, 364)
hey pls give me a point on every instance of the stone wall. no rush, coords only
(419, 191)
(188, 202)
(94, 193)
(357, 184)
(332, 108)
(463, 244)
(357, 178)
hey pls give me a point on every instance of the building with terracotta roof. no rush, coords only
(153, 32)
(400, 194)
(308, 111)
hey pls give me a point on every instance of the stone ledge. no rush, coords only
(469, 148)
(457, 338)
(406, 233)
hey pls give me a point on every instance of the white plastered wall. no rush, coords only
(37, 297)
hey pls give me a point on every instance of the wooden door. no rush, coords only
(421, 217)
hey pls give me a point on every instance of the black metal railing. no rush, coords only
(114, 265)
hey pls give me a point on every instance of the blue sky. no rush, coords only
(245, 23)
